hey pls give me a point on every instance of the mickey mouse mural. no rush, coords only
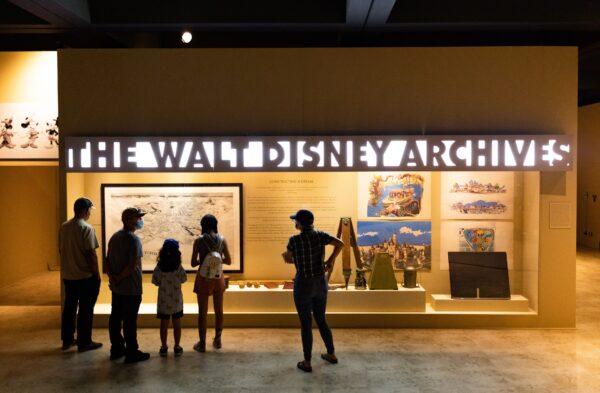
(28, 132)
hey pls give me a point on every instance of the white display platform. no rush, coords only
(443, 302)
(279, 300)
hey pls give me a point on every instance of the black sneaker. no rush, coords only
(89, 347)
(137, 356)
(178, 350)
(68, 344)
(117, 353)
(163, 351)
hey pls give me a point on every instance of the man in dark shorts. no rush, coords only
(80, 275)
(306, 251)
(124, 267)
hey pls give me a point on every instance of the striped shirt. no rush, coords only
(308, 251)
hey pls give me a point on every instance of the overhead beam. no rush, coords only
(59, 13)
(357, 12)
(379, 13)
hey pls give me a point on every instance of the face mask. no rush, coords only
(139, 224)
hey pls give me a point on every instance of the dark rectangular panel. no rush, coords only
(486, 11)
(217, 11)
(479, 275)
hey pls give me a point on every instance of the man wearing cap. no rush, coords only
(306, 251)
(79, 273)
(124, 267)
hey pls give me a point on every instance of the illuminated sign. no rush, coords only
(316, 153)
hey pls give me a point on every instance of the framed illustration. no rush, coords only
(394, 195)
(28, 132)
(476, 236)
(408, 242)
(174, 211)
(477, 195)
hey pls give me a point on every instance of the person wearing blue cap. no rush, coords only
(306, 251)
(168, 276)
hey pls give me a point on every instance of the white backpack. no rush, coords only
(212, 265)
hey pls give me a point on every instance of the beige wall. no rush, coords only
(588, 177)
(28, 190)
(445, 90)
(29, 221)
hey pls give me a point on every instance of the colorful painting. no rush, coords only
(477, 195)
(394, 195)
(476, 239)
(174, 211)
(479, 207)
(408, 242)
(28, 132)
(476, 187)
(476, 236)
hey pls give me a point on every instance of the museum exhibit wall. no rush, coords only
(346, 91)
(588, 177)
(28, 190)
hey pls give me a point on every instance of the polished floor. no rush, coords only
(263, 360)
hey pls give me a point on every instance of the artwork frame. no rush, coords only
(477, 195)
(409, 242)
(416, 183)
(503, 233)
(29, 132)
(233, 232)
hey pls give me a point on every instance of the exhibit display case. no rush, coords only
(414, 218)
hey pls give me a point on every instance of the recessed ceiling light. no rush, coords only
(186, 37)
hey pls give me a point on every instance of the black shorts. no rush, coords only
(177, 315)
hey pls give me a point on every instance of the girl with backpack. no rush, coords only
(210, 252)
(168, 276)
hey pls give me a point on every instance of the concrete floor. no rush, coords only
(263, 360)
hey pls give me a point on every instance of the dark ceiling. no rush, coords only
(54, 24)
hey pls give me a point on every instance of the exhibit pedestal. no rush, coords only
(262, 301)
(444, 302)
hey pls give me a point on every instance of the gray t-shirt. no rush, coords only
(76, 238)
(123, 246)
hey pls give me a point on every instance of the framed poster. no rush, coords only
(408, 242)
(28, 132)
(477, 195)
(174, 211)
(394, 195)
(476, 236)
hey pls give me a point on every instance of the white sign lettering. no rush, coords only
(327, 153)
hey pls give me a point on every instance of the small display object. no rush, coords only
(174, 211)
(288, 285)
(408, 242)
(360, 282)
(482, 275)
(382, 274)
(477, 195)
(394, 195)
(476, 236)
(410, 277)
(28, 132)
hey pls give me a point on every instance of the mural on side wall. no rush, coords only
(174, 211)
(476, 236)
(408, 242)
(394, 195)
(477, 195)
(28, 132)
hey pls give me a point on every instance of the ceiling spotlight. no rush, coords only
(186, 37)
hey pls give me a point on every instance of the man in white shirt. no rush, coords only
(80, 275)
